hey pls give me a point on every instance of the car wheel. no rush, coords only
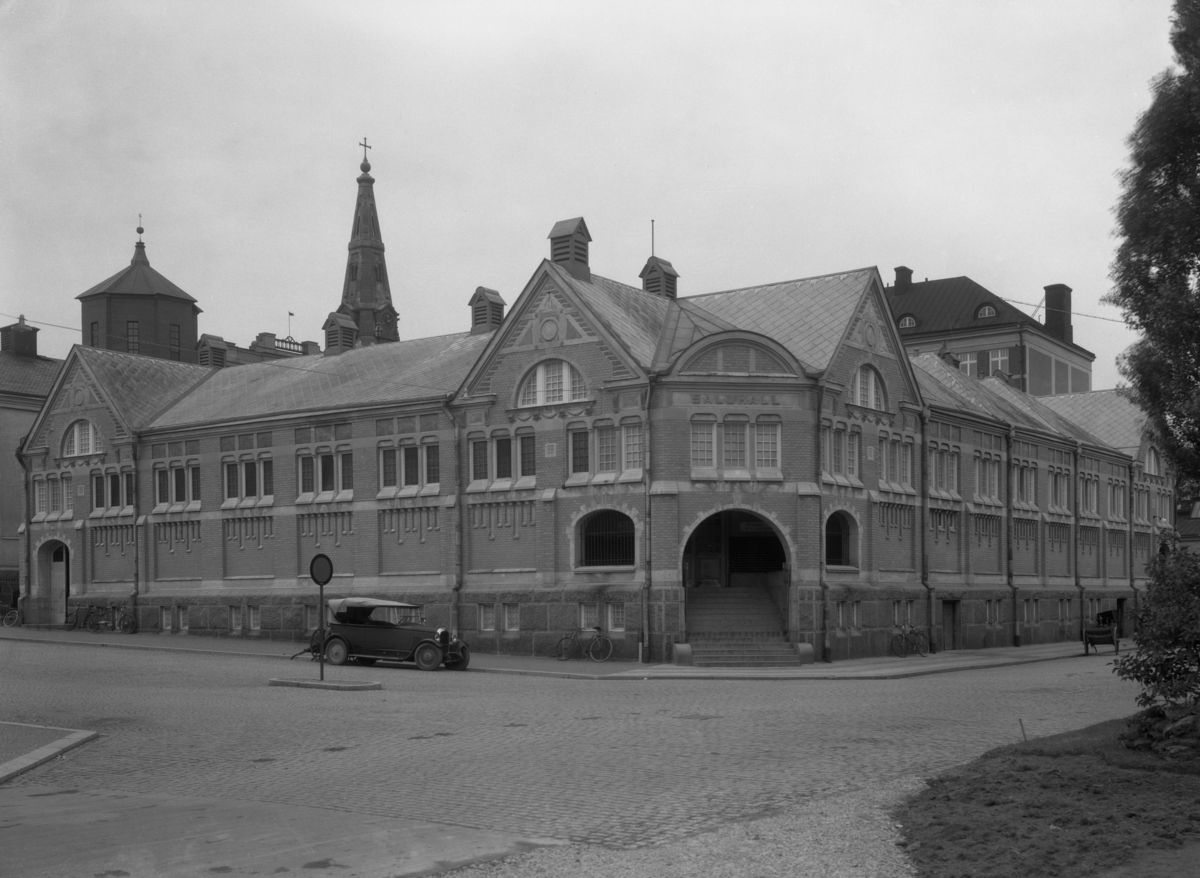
(336, 652)
(366, 661)
(459, 664)
(428, 657)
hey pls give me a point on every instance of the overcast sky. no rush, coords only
(769, 141)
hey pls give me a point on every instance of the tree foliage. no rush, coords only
(1167, 661)
(1156, 273)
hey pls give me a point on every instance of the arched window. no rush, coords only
(908, 321)
(81, 438)
(606, 540)
(839, 540)
(1153, 462)
(552, 382)
(986, 311)
(868, 389)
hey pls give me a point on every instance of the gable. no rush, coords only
(549, 323)
(867, 329)
(77, 397)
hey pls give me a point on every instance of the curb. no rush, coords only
(325, 684)
(29, 761)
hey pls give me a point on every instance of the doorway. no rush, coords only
(56, 573)
(950, 625)
(733, 549)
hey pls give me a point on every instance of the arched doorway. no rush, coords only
(54, 573)
(735, 575)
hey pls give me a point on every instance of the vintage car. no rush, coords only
(366, 630)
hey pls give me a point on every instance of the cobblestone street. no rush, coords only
(496, 760)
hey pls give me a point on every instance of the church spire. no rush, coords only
(366, 294)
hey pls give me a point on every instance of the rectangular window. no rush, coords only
(606, 449)
(968, 365)
(98, 492)
(579, 452)
(328, 474)
(766, 446)
(906, 457)
(387, 466)
(310, 617)
(856, 614)
(347, 472)
(841, 615)
(479, 461)
(132, 339)
(504, 458)
(39, 494)
(267, 471)
(307, 475)
(231, 481)
(512, 617)
(180, 479)
(195, 484)
(735, 446)
(162, 479)
(826, 441)
(616, 617)
(164, 616)
(235, 619)
(183, 618)
(633, 446)
(487, 617)
(554, 382)
(703, 445)
(250, 473)
(55, 495)
(433, 472)
(895, 614)
(589, 615)
(528, 455)
(174, 338)
(412, 465)
(998, 361)
(255, 619)
(95, 334)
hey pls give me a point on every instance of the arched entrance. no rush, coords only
(735, 574)
(54, 576)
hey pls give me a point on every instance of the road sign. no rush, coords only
(321, 571)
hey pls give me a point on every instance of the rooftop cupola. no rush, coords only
(903, 280)
(487, 310)
(569, 247)
(659, 277)
(19, 338)
(1058, 312)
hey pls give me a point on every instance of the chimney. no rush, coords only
(487, 310)
(569, 247)
(659, 277)
(951, 359)
(903, 280)
(19, 338)
(1058, 312)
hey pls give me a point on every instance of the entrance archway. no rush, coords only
(54, 575)
(733, 549)
(735, 574)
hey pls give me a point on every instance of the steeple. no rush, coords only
(366, 295)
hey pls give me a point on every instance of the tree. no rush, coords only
(1156, 273)
(1167, 661)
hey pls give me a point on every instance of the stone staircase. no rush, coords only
(737, 628)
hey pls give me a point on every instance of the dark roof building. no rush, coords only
(988, 336)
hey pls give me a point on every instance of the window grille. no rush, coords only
(735, 446)
(528, 455)
(616, 617)
(606, 449)
(579, 452)
(589, 615)
(433, 473)
(479, 461)
(487, 617)
(702, 445)
(235, 619)
(766, 447)
(512, 617)
(607, 540)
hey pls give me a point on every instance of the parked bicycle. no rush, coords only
(11, 618)
(107, 619)
(598, 648)
(75, 617)
(910, 640)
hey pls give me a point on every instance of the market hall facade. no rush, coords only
(755, 465)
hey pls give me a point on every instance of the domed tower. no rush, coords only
(138, 311)
(366, 315)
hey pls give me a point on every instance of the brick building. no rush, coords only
(762, 465)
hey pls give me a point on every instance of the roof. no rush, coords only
(949, 305)
(562, 228)
(633, 316)
(488, 294)
(137, 386)
(139, 279)
(27, 376)
(807, 316)
(378, 374)
(1109, 414)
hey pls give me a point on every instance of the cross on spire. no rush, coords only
(365, 147)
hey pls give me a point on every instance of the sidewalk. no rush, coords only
(881, 668)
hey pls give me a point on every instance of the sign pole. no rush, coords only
(321, 571)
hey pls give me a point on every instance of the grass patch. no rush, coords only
(1068, 805)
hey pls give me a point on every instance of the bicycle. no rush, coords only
(909, 640)
(106, 618)
(11, 618)
(74, 619)
(599, 648)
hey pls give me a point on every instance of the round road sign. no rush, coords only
(321, 569)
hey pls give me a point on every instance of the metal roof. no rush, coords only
(139, 279)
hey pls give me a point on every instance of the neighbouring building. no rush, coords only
(988, 336)
(764, 466)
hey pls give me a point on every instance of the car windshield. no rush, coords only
(395, 615)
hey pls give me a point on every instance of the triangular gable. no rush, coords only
(547, 315)
(872, 332)
(76, 393)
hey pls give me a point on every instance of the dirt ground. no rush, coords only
(1077, 804)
